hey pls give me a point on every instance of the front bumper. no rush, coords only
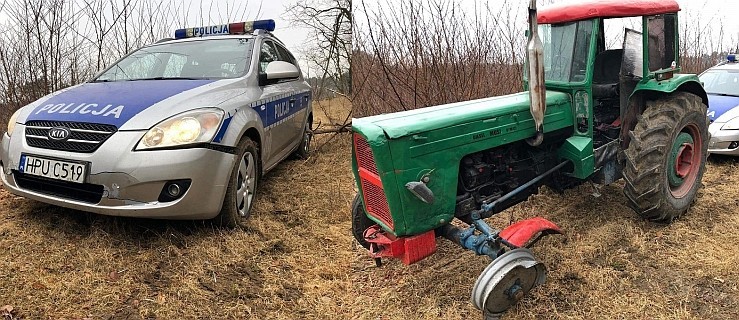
(132, 180)
(722, 140)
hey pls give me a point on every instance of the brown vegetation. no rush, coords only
(423, 53)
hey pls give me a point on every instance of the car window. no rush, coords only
(222, 58)
(143, 66)
(723, 82)
(174, 66)
(267, 55)
(285, 55)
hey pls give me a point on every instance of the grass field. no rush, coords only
(297, 259)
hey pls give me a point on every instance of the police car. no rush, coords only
(722, 85)
(180, 129)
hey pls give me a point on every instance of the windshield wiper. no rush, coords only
(168, 78)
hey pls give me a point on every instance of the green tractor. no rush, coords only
(590, 114)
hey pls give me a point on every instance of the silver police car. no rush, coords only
(722, 85)
(180, 129)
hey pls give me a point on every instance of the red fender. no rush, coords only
(519, 233)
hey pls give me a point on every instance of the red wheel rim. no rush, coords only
(684, 162)
(688, 162)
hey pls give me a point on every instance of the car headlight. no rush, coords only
(11, 122)
(191, 127)
(732, 124)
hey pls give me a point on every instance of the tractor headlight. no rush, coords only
(732, 124)
(191, 127)
(11, 122)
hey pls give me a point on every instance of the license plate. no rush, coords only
(53, 168)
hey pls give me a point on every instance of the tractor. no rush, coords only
(588, 114)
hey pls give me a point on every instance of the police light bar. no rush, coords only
(231, 28)
(731, 57)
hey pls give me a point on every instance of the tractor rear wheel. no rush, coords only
(360, 221)
(666, 157)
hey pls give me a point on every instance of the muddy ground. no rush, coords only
(297, 259)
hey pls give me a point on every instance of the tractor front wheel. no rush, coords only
(360, 221)
(666, 157)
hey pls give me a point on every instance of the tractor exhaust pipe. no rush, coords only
(537, 89)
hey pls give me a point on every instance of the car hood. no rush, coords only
(718, 105)
(128, 105)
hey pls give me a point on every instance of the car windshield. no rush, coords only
(206, 59)
(721, 82)
(566, 50)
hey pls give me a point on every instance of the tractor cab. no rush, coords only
(608, 73)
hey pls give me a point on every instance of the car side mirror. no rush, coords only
(278, 70)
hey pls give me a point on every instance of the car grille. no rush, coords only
(84, 137)
(373, 194)
(85, 192)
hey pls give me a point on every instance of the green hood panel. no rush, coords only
(431, 142)
(401, 124)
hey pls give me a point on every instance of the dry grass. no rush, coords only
(298, 261)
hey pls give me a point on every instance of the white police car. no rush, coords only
(722, 85)
(179, 129)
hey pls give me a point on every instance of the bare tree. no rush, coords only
(421, 53)
(330, 22)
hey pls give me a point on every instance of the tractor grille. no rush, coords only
(373, 194)
(85, 192)
(84, 137)
(364, 155)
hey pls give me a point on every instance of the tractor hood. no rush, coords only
(401, 124)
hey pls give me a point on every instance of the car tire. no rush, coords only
(360, 221)
(303, 151)
(242, 186)
(665, 160)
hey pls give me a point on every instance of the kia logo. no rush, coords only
(59, 133)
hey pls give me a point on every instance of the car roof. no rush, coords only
(268, 35)
(726, 66)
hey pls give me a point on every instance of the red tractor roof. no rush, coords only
(575, 11)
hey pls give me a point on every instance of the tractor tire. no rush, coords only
(665, 160)
(360, 221)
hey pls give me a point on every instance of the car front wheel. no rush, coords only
(242, 186)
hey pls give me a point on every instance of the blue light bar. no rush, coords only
(268, 25)
(232, 28)
(731, 57)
